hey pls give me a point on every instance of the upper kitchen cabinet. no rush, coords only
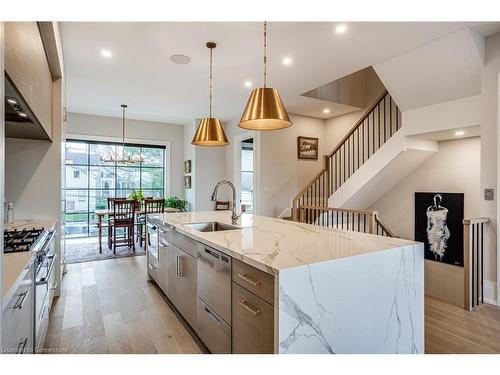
(28, 80)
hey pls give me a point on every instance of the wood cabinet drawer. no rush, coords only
(253, 323)
(254, 280)
(212, 330)
(181, 241)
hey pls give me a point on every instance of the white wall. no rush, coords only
(102, 126)
(337, 127)
(455, 168)
(190, 154)
(208, 167)
(490, 141)
(282, 174)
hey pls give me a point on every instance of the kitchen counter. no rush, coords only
(15, 263)
(273, 244)
(335, 291)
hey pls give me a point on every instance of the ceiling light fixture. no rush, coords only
(106, 53)
(265, 110)
(180, 59)
(210, 131)
(22, 114)
(341, 29)
(121, 159)
(11, 100)
(248, 84)
(326, 110)
(459, 133)
(287, 61)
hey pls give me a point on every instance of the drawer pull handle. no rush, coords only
(151, 266)
(247, 279)
(211, 314)
(163, 244)
(20, 301)
(245, 304)
(22, 346)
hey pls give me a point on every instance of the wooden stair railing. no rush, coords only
(475, 234)
(379, 122)
(364, 221)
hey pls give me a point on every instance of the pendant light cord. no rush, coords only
(265, 53)
(210, 89)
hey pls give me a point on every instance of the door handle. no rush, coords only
(21, 346)
(245, 304)
(179, 262)
(20, 301)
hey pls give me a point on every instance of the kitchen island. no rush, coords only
(319, 290)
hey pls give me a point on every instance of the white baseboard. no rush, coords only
(490, 292)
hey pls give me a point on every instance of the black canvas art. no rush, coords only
(438, 224)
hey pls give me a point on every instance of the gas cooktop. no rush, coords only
(21, 240)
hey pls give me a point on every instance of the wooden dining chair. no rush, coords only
(151, 206)
(110, 219)
(124, 218)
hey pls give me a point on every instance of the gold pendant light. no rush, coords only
(210, 131)
(265, 110)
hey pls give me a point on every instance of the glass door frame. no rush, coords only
(238, 139)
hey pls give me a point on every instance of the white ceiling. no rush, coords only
(445, 69)
(141, 74)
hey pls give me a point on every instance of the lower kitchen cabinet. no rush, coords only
(253, 323)
(182, 283)
(18, 318)
(162, 274)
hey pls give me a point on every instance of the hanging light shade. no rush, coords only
(265, 110)
(210, 132)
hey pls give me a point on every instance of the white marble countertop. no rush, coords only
(15, 263)
(272, 244)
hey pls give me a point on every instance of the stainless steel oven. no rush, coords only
(45, 286)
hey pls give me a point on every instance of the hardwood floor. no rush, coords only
(108, 307)
(451, 329)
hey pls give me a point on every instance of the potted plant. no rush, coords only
(174, 202)
(137, 196)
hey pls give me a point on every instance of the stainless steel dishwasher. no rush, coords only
(214, 280)
(214, 299)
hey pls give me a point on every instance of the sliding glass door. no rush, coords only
(90, 181)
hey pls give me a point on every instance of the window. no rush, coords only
(247, 174)
(90, 181)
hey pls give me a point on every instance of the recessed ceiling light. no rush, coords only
(248, 84)
(106, 53)
(341, 29)
(11, 100)
(22, 114)
(326, 110)
(180, 59)
(459, 133)
(287, 61)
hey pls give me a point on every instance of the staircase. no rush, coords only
(379, 123)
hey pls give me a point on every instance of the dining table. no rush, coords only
(109, 213)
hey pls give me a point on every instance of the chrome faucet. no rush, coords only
(234, 215)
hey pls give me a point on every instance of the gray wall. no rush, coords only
(102, 126)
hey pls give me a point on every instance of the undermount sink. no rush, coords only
(211, 226)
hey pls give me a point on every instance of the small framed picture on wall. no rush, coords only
(187, 166)
(307, 148)
(187, 182)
